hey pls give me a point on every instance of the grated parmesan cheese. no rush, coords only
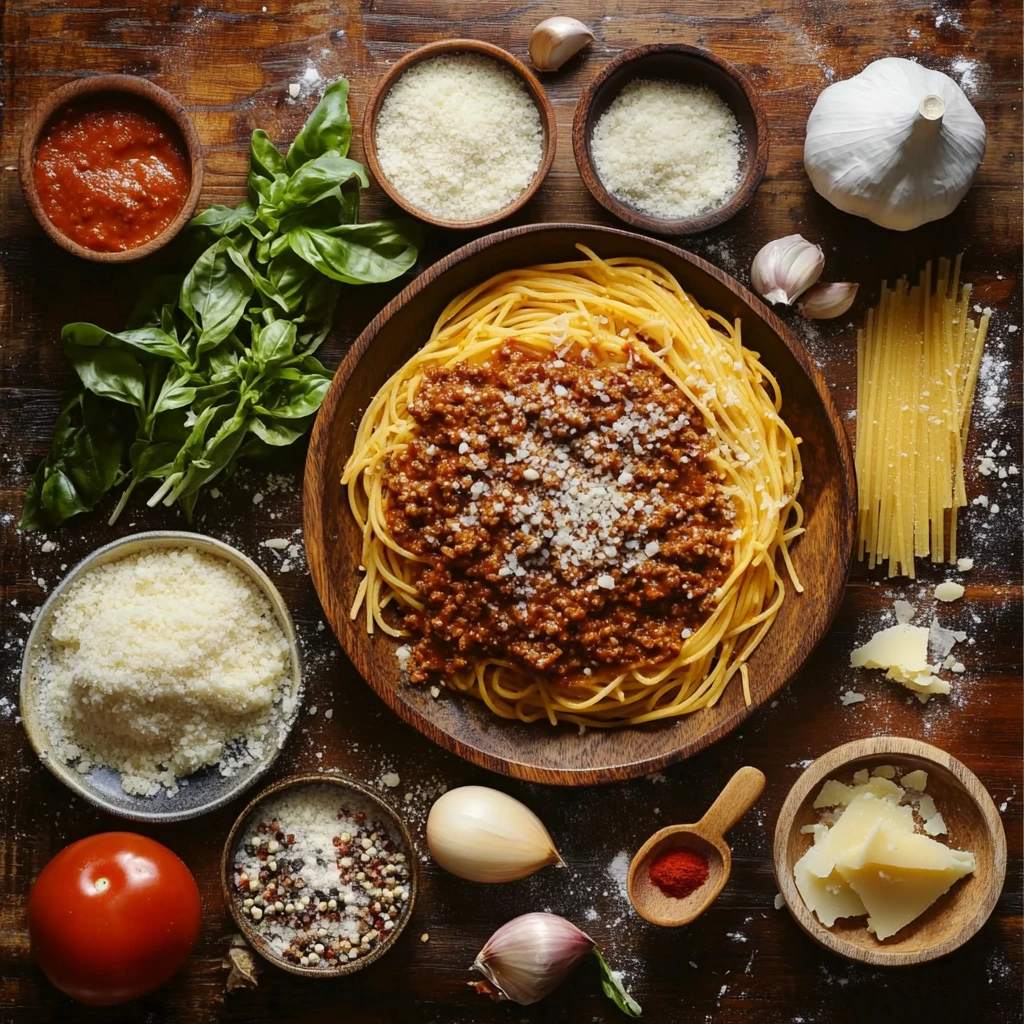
(160, 664)
(670, 149)
(459, 137)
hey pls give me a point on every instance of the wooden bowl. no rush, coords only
(538, 752)
(446, 48)
(114, 85)
(207, 789)
(678, 63)
(245, 924)
(974, 825)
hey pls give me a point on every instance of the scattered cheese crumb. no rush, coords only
(390, 779)
(917, 780)
(949, 591)
(852, 698)
(965, 564)
(780, 901)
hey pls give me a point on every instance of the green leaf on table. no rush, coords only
(328, 128)
(214, 294)
(611, 985)
(104, 366)
(81, 466)
(278, 433)
(176, 392)
(274, 343)
(218, 221)
(358, 253)
(291, 399)
(318, 179)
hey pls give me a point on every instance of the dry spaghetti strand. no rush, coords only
(917, 367)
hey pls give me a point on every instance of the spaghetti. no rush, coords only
(705, 457)
(917, 366)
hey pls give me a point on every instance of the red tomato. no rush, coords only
(112, 917)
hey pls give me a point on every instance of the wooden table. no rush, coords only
(230, 63)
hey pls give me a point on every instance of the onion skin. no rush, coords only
(529, 957)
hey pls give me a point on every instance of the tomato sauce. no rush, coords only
(111, 177)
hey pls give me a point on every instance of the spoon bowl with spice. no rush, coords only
(679, 872)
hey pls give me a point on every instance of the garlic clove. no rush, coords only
(484, 835)
(529, 957)
(555, 40)
(826, 300)
(786, 267)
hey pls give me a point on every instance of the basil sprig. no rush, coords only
(218, 363)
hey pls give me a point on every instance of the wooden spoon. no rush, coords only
(706, 838)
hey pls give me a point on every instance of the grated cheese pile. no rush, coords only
(162, 663)
(670, 149)
(459, 137)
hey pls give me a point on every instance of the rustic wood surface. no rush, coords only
(334, 547)
(742, 961)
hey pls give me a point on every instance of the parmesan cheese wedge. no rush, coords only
(902, 650)
(822, 888)
(898, 875)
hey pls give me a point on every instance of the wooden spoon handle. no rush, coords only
(739, 795)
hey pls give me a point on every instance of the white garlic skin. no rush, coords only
(484, 835)
(785, 268)
(827, 300)
(530, 956)
(898, 144)
(557, 39)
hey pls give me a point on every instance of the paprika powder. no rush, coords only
(679, 872)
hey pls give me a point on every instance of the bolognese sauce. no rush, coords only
(566, 516)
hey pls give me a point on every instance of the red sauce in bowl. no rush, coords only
(111, 175)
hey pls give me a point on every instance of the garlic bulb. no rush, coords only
(527, 958)
(785, 268)
(484, 835)
(827, 300)
(555, 40)
(897, 144)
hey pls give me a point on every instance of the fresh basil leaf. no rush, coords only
(611, 985)
(218, 221)
(314, 323)
(156, 342)
(278, 433)
(357, 253)
(265, 161)
(113, 373)
(274, 343)
(175, 393)
(152, 461)
(292, 399)
(216, 455)
(291, 278)
(329, 128)
(318, 179)
(81, 466)
(214, 294)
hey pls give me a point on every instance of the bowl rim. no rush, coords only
(35, 730)
(316, 541)
(877, 748)
(582, 131)
(441, 48)
(132, 85)
(245, 927)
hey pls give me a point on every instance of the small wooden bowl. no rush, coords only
(678, 63)
(974, 824)
(245, 925)
(95, 85)
(444, 48)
